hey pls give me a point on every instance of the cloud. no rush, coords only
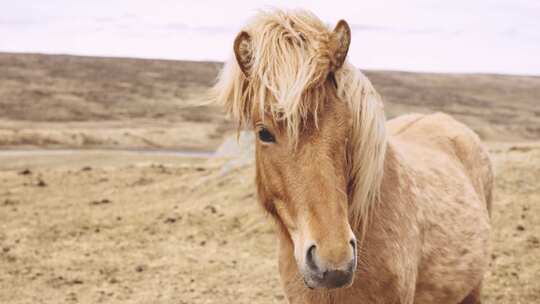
(19, 22)
(200, 29)
(367, 27)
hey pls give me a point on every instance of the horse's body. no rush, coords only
(366, 211)
(428, 238)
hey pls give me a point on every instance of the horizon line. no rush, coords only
(419, 71)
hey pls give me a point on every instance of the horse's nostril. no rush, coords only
(319, 274)
(310, 261)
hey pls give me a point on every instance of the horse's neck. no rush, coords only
(394, 169)
(394, 179)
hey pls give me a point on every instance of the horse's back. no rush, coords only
(453, 180)
(442, 132)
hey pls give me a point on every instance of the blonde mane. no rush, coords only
(292, 54)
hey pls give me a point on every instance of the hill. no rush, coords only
(58, 100)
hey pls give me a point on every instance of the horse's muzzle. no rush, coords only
(316, 276)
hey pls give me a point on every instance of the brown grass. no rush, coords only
(125, 228)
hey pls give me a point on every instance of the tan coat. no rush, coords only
(428, 241)
(366, 211)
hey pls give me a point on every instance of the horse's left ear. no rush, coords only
(341, 41)
(242, 52)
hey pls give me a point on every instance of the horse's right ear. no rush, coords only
(342, 40)
(243, 52)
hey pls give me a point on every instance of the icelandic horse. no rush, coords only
(367, 211)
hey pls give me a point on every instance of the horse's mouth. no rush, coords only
(329, 279)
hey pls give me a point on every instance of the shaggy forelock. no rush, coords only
(290, 61)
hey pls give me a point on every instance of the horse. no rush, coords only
(365, 210)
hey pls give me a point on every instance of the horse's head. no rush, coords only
(284, 85)
(305, 189)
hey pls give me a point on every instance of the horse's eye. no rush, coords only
(266, 136)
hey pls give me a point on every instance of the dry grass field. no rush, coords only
(111, 227)
(81, 102)
(104, 226)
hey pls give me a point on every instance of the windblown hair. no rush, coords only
(291, 57)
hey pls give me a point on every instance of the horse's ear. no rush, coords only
(342, 40)
(243, 52)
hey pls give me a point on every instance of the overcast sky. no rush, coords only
(498, 36)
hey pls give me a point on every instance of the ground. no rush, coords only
(138, 226)
(110, 227)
